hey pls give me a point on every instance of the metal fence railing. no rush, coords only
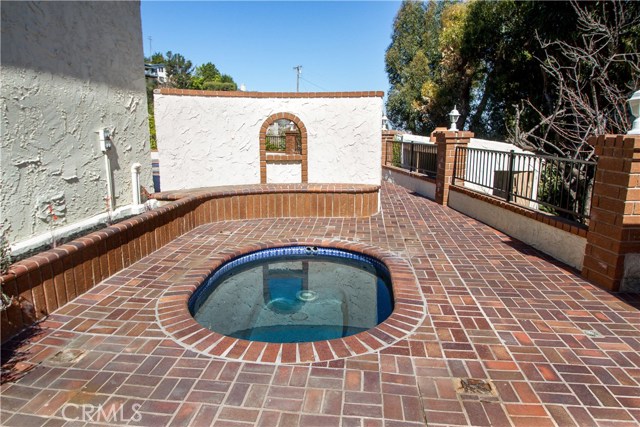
(414, 156)
(557, 185)
(279, 143)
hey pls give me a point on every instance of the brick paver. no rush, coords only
(555, 349)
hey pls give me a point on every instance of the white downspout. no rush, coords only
(135, 184)
(104, 136)
(107, 167)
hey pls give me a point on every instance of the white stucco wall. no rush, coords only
(207, 141)
(562, 245)
(420, 186)
(69, 69)
(284, 173)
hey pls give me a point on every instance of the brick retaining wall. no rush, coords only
(46, 281)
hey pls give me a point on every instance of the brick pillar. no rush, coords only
(447, 141)
(612, 255)
(387, 139)
(432, 136)
(290, 141)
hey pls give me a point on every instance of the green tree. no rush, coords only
(151, 85)
(207, 77)
(543, 75)
(480, 56)
(225, 78)
(591, 77)
(208, 71)
(499, 37)
(205, 72)
(179, 70)
(211, 85)
(410, 61)
(453, 73)
(156, 58)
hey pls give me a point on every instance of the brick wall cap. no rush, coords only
(603, 139)
(241, 94)
(218, 192)
(455, 134)
(68, 249)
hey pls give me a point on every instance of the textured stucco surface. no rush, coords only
(560, 244)
(284, 173)
(69, 69)
(420, 186)
(208, 141)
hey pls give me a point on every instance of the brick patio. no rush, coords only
(555, 349)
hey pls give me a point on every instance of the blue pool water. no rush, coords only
(294, 294)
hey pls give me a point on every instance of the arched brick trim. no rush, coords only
(263, 147)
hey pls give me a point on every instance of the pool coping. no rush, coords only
(174, 318)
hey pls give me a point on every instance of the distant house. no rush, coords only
(156, 71)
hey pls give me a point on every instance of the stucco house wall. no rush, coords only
(212, 138)
(69, 69)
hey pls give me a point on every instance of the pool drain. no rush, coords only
(473, 386)
(307, 296)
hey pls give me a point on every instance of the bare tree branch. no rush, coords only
(590, 99)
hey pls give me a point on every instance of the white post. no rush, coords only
(104, 136)
(135, 184)
(107, 167)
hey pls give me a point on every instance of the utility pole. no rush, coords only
(150, 49)
(299, 71)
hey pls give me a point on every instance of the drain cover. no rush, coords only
(472, 386)
(307, 296)
(592, 333)
(66, 357)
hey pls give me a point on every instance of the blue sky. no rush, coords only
(340, 45)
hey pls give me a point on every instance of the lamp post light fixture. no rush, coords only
(634, 103)
(454, 116)
(385, 122)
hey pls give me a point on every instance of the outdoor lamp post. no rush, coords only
(634, 103)
(454, 116)
(385, 122)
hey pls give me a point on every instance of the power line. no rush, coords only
(312, 83)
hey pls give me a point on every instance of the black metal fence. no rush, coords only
(557, 185)
(278, 143)
(419, 157)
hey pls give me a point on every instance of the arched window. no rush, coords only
(283, 135)
(283, 139)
